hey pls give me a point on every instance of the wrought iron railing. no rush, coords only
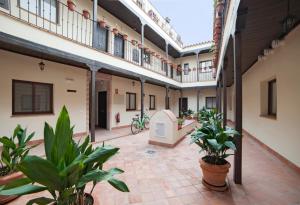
(57, 18)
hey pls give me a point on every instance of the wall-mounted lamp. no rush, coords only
(42, 65)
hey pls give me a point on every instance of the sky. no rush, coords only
(192, 19)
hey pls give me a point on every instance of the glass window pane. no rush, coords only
(132, 101)
(48, 9)
(22, 97)
(127, 101)
(42, 98)
(32, 4)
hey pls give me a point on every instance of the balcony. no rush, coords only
(58, 19)
(163, 23)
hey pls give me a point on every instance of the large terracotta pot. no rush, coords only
(71, 5)
(214, 175)
(5, 180)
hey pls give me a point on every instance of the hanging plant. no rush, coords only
(102, 23)
(134, 42)
(115, 31)
(85, 14)
(71, 5)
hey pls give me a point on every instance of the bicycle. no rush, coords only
(138, 124)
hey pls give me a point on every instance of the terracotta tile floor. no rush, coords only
(164, 176)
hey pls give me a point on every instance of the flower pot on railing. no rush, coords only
(71, 5)
(125, 37)
(134, 42)
(218, 22)
(85, 14)
(102, 23)
(115, 31)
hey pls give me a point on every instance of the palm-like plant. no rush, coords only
(67, 168)
(213, 139)
(14, 150)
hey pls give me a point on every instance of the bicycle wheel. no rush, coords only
(147, 123)
(135, 127)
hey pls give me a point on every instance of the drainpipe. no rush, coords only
(95, 11)
(143, 80)
(142, 41)
(167, 57)
(167, 98)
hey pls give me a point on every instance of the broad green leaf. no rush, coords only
(119, 185)
(41, 171)
(23, 190)
(17, 183)
(40, 201)
(230, 144)
(49, 139)
(101, 154)
(214, 144)
(7, 142)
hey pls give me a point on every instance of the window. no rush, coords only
(101, 38)
(31, 97)
(147, 58)
(178, 73)
(44, 8)
(135, 55)
(119, 46)
(210, 102)
(186, 69)
(4, 4)
(272, 97)
(152, 102)
(205, 65)
(130, 101)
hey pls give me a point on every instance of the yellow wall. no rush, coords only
(281, 134)
(63, 77)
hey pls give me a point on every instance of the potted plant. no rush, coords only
(180, 122)
(189, 114)
(102, 23)
(71, 5)
(125, 37)
(66, 169)
(115, 31)
(134, 42)
(85, 14)
(215, 141)
(14, 150)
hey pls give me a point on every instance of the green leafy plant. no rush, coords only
(67, 168)
(205, 115)
(180, 121)
(14, 150)
(189, 113)
(213, 139)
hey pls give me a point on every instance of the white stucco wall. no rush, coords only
(63, 77)
(280, 134)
